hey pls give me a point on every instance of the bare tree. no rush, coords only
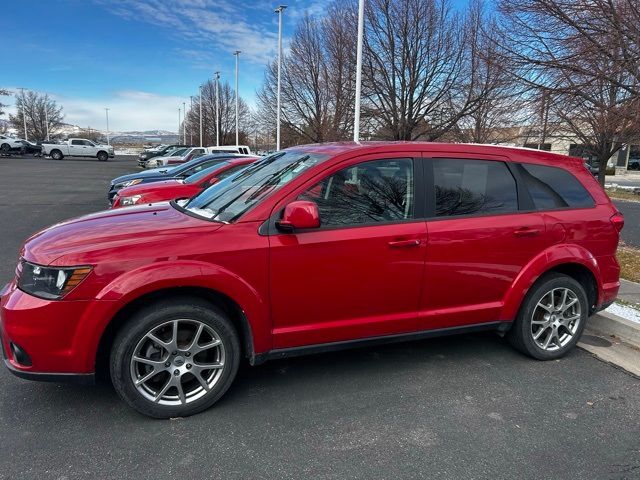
(573, 52)
(318, 81)
(227, 116)
(38, 110)
(3, 93)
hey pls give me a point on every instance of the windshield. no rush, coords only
(177, 153)
(229, 199)
(202, 174)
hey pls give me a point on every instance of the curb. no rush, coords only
(608, 324)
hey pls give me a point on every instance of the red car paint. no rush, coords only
(317, 286)
(172, 189)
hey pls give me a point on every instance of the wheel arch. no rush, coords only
(572, 260)
(217, 298)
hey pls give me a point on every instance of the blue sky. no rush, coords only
(141, 58)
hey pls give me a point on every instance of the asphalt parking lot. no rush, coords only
(460, 407)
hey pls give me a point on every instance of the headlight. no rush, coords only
(143, 156)
(51, 283)
(127, 201)
(128, 183)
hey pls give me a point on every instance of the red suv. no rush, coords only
(312, 249)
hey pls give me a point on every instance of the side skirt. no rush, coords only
(501, 327)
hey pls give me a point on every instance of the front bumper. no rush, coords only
(59, 338)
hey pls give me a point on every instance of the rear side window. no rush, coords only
(473, 187)
(552, 187)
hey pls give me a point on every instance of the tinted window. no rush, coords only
(77, 142)
(231, 171)
(201, 166)
(205, 172)
(473, 187)
(370, 192)
(552, 187)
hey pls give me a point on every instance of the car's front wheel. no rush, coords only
(175, 358)
(103, 156)
(551, 318)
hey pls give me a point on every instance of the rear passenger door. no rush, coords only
(479, 240)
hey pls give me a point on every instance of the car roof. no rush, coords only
(522, 153)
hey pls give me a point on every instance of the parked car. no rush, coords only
(634, 164)
(176, 188)
(156, 162)
(31, 148)
(77, 147)
(190, 154)
(165, 173)
(165, 150)
(244, 149)
(7, 144)
(312, 249)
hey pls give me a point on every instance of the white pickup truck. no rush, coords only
(77, 147)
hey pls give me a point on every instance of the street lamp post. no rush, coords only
(178, 124)
(107, 112)
(46, 118)
(200, 115)
(217, 74)
(191, 126)
(237, 54)
(279, 11)
(356, 116)
(24, 114)
(184, 123)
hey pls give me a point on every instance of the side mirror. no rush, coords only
(300, 214)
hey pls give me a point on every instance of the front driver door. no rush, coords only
(360, 274)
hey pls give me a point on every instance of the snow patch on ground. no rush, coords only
(624, 311)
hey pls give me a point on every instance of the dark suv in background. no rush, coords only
(147, 154)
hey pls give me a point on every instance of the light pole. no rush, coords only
(24, 113)
(217, 74)
(46, 118)
(237, 54)
(184, 123)
(190, 126)
(107, 112)
(356, 116)
(279, 11)
(200, 115)
(178, 124)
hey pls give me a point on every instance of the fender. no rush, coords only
(171, 274)
(546, 260)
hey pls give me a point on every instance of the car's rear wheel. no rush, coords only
(56, 155)
(5, 149)
(175, 359)
(103, 156)
(551, 318)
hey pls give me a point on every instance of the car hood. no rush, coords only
(84, 240)
(146, 174)
(146, 187)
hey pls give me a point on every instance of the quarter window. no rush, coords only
(473, 187)
(370, 192)
(552, 187)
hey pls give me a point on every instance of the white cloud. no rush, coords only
(129, 110)
(203, 23)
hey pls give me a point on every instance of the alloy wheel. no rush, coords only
(556, 318)
(177, 362)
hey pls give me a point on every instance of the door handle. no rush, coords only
(527, 232)
(404, 243)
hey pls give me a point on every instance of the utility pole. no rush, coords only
(107, 112)
(178, 124)
(237, 54)
(184, 124)
(279, 11)
(200, 115)
(46, 118)
(217, 74)
(190, 126)
(24, 114)
(356, 116)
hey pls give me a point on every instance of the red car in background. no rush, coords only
(176, 188)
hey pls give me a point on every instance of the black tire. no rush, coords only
(56, 155)
(521, 335)
(103, 156)
(154, 316)
(5, 149)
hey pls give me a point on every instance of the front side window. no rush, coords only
(552, 187)
(473, 187)
(369, 192)
(227, 200)
(202, 174)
